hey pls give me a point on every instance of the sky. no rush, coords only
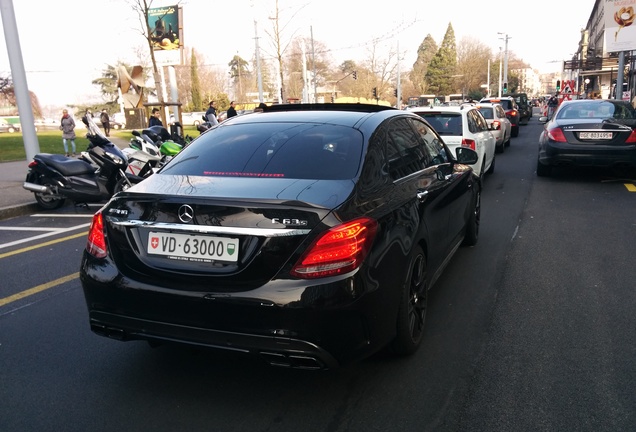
(67, 44)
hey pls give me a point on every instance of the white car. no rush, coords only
(463, 126)
(500, 126)
(190, 119)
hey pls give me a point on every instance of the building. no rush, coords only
(593, 69)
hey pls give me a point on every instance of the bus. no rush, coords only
(421, 100)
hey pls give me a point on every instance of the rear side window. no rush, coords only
(445, 124)
(273, 150)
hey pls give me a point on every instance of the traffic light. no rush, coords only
(355, 75)
(505, 87)
(395, 92)
(375, 92)
(558, 87)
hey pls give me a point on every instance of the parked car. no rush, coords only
(5, 126)
(524, 106)
(463, 126)
(512, 111)
(190, 118)
(498, 123)
(588, 132)
(308, 235)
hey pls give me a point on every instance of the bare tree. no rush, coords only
(142, 8)
(472, 64)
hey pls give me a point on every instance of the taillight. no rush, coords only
(556, 134)
(96, 244)
(514, 113)
(468, 143)
(496, 125)
(632, 137)
(339, 250)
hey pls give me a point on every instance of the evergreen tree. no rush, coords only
(239, 73)
(195, 89)
(425, 53)
(442, 66)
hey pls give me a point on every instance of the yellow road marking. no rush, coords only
(630, 187)
(38, 289)
(37, 246)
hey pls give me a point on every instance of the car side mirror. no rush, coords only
(465, 155)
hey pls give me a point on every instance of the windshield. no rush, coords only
(274, 150)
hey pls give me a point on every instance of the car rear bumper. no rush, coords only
(553, 153)
(293, 324)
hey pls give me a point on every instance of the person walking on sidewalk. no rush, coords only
(105, 119)
(67, 126)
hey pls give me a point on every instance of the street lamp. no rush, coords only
(505, 66)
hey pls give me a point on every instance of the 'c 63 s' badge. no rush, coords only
(294, 222)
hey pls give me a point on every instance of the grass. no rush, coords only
(50, 141)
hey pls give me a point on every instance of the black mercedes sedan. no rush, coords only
(588, 132)
(308, 235)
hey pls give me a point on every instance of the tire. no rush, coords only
(412, 310)
(500, 148)
(492, 166)
(122, 185)
(515, 131)
(196, 123)
(543, 170)
(48, 202)
(471, 234)
(11, 130)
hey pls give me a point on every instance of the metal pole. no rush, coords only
(313, 61)
(398, 103)
(18, 74)
(499, 89)
(258, 65)
(619, 76)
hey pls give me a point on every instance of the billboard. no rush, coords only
(166, 34)
(620, 30)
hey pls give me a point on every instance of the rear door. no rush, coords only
(419, 202)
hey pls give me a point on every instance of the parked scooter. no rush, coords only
(54, 178)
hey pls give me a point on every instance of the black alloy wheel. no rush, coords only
(472, 225)
(412, 312)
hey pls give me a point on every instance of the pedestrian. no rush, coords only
(155, 118)
(231, 111)
(105, 119)
(210, 114)
(67, 126)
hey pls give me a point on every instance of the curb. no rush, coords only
(18, 210)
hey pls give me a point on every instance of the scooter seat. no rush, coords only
(66, 165)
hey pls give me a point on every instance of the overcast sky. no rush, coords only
(66, 44)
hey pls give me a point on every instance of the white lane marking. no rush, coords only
(48, 234)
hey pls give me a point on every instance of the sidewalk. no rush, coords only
(14, 199)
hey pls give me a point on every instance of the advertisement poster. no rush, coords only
(620, 31)
(164, 28)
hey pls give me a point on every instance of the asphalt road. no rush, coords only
(532, 329)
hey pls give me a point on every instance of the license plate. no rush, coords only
(199, 248)
(595, 135)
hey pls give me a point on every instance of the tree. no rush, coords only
(239, 72)
(142, 8)
(441, 69)
(425, 54)
(195, 85)
(472, 65)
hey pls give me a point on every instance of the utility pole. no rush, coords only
(505, 66)
(398, 94)
(500, 83)
(258, 65)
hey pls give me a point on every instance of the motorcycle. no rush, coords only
(55, 178)
(153, 138)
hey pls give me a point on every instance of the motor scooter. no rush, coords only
(55, 178)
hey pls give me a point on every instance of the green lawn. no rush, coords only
(12, 145)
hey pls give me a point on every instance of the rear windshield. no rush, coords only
(272, 150)
(600, 109)
(487, 112)
(449, 124)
